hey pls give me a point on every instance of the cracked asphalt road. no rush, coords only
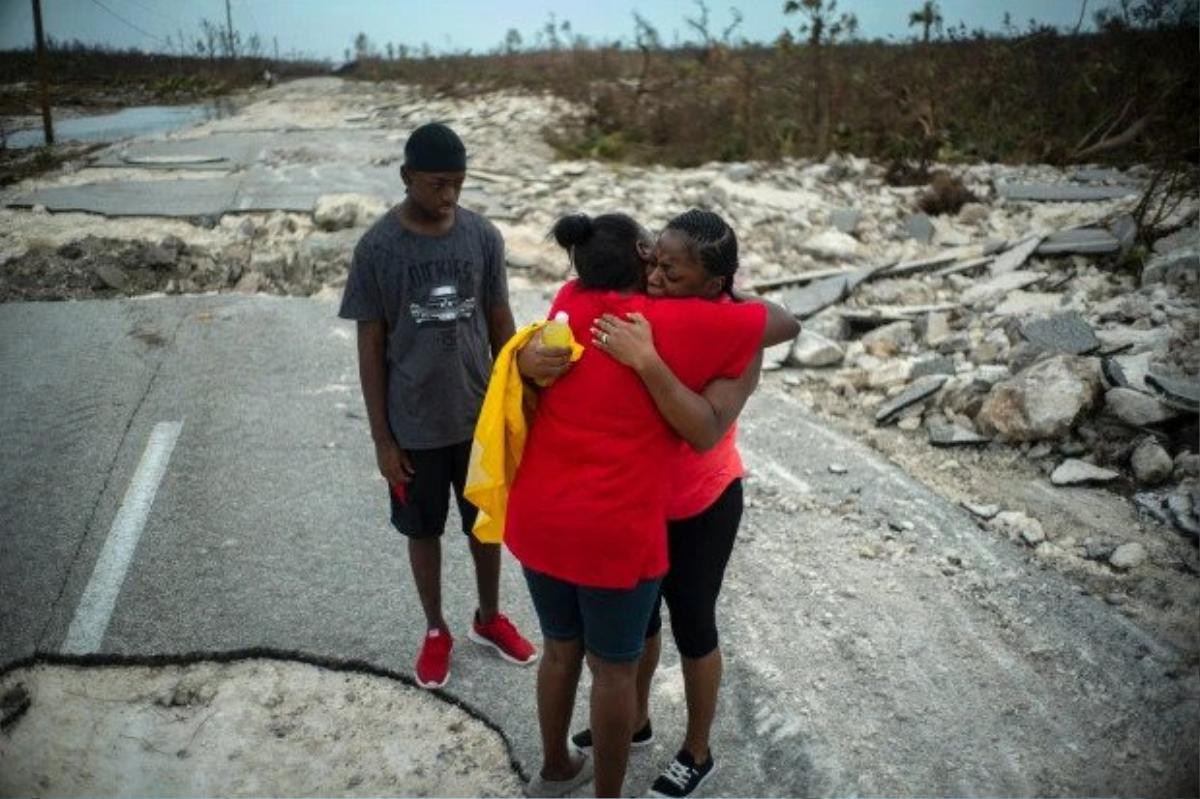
(877, 640)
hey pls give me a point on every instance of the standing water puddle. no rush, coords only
(127, 122)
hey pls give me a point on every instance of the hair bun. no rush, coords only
(572, 229)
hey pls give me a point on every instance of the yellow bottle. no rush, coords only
(557, 332)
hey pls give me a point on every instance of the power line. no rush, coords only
(127, 22)
(171, 19)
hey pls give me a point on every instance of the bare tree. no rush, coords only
(823, 26)
(929, 16)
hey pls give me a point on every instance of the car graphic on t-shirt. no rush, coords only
(443, 307)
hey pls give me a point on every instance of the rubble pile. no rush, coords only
(1080, 356)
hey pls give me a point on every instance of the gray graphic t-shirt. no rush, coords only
(436, 294)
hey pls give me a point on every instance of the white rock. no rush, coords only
(1020, 303)
(833, 245)
(1043, 401)
(337, 211)
(888, 340)
(1017, 524)
(999, 286)
(937, 328)
(814, 350)
(890, 374)
(1074, 471)
(1127, 556)
(1151, 463)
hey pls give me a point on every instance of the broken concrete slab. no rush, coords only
(1085, 241)
(1135, 408)
(919, 227)
(845, 219)
(878, 314)
(1098, 175)
(965, 266)
(1063, 332)
(1179, 264)
(919, 390)
(1061, 192)
(922, 265)
(1000, 285)
(944, 434)
(1176, 392)
(1077, 472)
(218, 151)
(938, 365)
(1185, 237)
(1128, 371)
(806, 301)
(1015, 257)
(1124, 228)
(1132, 340)
(180, 198)
(801, 279)
(1022, 303)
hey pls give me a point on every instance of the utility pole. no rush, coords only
(43, 72)
(229, 29)
(276, 40)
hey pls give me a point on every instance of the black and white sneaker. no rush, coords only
(683, 776)
(643, 737)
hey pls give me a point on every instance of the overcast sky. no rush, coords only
(324, 28)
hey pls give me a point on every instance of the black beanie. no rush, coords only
(435, 148)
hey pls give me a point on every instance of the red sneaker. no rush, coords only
(501, 635)
(433, 664)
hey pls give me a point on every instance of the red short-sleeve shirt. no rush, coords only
(588, 504)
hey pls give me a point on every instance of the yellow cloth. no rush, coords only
(500, 435)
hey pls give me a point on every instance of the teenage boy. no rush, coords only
(428, 290)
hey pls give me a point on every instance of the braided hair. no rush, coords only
(711, 241)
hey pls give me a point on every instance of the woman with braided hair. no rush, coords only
(696, 256)
(587, 509)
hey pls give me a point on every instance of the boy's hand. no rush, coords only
(540, 363)
(393, 462)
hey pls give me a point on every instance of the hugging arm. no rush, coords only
(699, 419)
(781, 325)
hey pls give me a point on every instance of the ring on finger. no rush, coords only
(604, 338)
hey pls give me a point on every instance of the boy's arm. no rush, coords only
(501, 326)
(393, 462)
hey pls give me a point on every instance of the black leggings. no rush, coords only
(699, 550)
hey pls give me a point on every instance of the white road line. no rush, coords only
(96, 605)
(775, 467)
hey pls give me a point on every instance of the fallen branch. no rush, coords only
(1113, 142)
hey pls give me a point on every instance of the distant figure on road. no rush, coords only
(428, 289)
(268, 78)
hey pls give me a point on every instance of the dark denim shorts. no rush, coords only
(611, 622)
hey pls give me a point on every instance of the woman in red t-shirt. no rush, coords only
(696, 256)
(586, 513)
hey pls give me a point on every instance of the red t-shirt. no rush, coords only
(699, 478)
(588, 504)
